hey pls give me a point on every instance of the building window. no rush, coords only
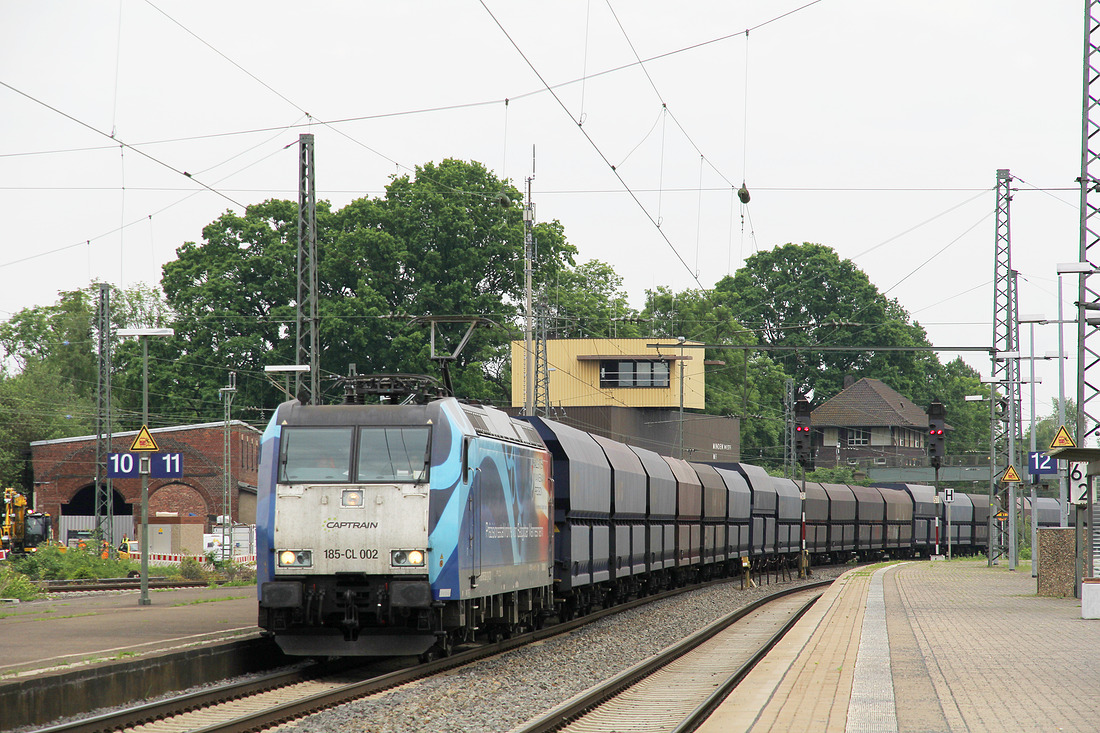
(633, 373)
(857, 436)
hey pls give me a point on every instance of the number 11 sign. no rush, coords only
(167, 465)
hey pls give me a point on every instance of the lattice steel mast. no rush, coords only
(1005, 375)
(1088, 291)
(306, 338)
(104, 491)
(542, 363)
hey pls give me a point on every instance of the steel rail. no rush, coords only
(311, 703)
(579, 706)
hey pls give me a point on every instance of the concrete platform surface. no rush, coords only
(81, 629)
(927, 647)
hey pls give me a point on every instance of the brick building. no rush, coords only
(64, 475)
(867, 425)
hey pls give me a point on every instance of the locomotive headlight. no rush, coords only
(351, 497)
(406, 558)
(295, 558)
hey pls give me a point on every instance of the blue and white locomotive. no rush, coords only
(397, 529)
(387, 529)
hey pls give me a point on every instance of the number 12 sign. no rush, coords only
(1040, 463)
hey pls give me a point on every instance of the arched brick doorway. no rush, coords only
(83, 502)
(181, 499)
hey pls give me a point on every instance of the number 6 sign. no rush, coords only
(1078, 482)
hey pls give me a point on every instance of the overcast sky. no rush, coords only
(873, 127)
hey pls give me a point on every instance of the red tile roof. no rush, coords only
(869, 403)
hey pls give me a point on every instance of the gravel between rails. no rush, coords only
(503, 692)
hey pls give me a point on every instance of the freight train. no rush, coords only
(407, 529)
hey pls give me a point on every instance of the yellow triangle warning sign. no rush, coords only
(1011, 477)
(144, 442)
(1062, 439)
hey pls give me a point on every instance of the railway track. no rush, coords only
(677, 689)
(279, 697)
(105, 584)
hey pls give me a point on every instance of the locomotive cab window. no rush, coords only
(393, 454)
(315, 454)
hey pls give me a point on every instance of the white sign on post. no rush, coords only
(1078, 482)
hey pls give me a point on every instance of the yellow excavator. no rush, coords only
(22, 530)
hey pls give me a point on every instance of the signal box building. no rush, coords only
(869, 424)
(625, 390)
(64, 478)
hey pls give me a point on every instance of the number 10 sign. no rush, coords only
(128, 465)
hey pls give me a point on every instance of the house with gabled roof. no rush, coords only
(869, 424)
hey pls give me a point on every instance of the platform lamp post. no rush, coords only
(1081, 269)
(286, 370)
(1012, 460)
(681, 339)
(1031, 320)
(143, 334)
(992, 458)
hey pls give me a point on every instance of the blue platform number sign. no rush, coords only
(122, 465)
(1040, 463)
(167, 465)
(128, 465)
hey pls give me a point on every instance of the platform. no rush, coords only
(65, 633)
(927, 647)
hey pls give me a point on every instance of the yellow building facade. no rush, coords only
(617, 373)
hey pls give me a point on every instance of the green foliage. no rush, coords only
(805, 295)
(436, 244)
(38, 404)
(14, 584)
(587, 301)
(54, 563)
(1047, 427)
(229, 572)
(191, 569)
(741, 382)
(52, 393)
(968, 422)
(838, 475)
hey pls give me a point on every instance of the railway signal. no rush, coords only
(803, 443)
(936, 448)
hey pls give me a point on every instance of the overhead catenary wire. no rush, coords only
(811, 3)
(591, 142)
(140, 152)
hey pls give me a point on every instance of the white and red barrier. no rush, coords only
(159, 559)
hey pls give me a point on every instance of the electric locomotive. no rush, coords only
(400, 529)
(395, 529)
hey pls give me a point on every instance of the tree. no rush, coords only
(741, 382)
(1047, 426)
(39, 403)
(53, 350)
(60, 334)
(587, 301)
(438, 243)
(804, 295)
(968, 420)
